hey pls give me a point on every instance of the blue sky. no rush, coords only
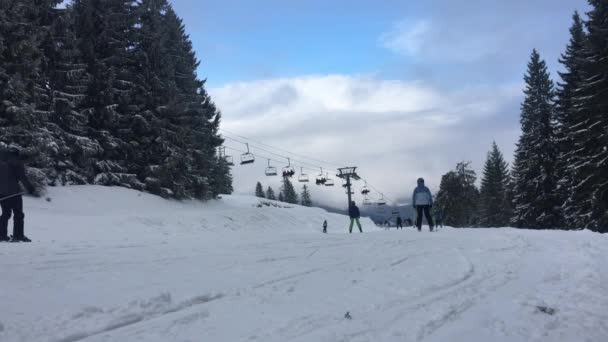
(400, 88)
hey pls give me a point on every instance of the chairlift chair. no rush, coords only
(367, 201)
(303, 177)
(288, 171)
(321, 180)
(381, 201)
(270, 170)
(247, 157)
(229, 160)
(329, 181)
(365, 190)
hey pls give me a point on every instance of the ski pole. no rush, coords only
(11, 196)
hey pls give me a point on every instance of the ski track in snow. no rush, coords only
(269, 274)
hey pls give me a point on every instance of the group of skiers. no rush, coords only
(422, 201)
(12, 172)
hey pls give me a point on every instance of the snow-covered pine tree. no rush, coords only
(587, 204)
(270, 194)
(67, 81)
(458, 196)
(259, 191)
(493, 206)
(289, 192)
(535, 200)
(23, 90)
(281, 197)
(105, 33)
(566, 119)
(184, 122)
(306, 200)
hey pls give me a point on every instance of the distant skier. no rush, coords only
(12, 172)
(422, 200)
(399, 222)
(325, 226)
(353, 212)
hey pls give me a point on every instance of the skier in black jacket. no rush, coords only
(12, 172)
(353, 212)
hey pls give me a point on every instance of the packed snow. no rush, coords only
(111, 264)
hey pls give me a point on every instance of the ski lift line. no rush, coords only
(271, 159)
(306, 165)
(300, 162)
(280, 149)
(267, 158)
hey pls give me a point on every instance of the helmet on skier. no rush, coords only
(420, 181)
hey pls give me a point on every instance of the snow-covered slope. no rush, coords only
(109, 264)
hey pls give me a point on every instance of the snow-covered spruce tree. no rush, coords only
(259, 191)
(270, 194)
(288, 191)
(566, 117)
(178, 119)
(281, 198)
(67, 82)
(105, 34)
(535, 200)
(587, 203)
(458, 196)
(23, 90)
(493, 206)
(306, 200)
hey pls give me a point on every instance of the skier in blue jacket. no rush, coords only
(422, 200)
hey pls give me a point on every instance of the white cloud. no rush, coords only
(395, 131)
(406, 37)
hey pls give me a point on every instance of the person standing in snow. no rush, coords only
(422, 200)
(325, 226)
(353, 212)
(399, 222)
(12, 172)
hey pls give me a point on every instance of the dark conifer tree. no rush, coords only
(270, 194)
(306, 200)
(259, 191)
(23, 90)
(587, 203)
(493, 206)
(535, 201)
(566, 117)
(458, 196)
(281, 197)
(289, 192)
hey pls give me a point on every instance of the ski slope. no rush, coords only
(110, 264)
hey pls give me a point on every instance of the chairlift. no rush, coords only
(270, 170)
(321, 180)
(303, 177)
(288, 171)
(365, 190)
(381, 201)
(367, 201)
(329, 181)
(247, 158)
(227, 159)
